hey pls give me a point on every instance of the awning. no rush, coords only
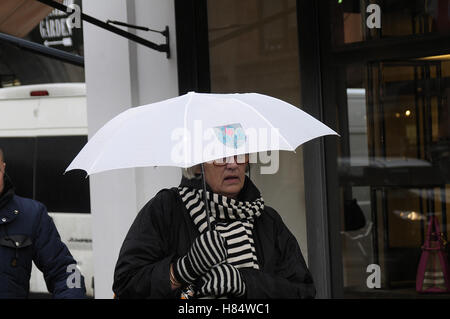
(19, 17)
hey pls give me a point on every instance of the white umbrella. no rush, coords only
(195, 128)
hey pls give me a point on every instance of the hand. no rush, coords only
(223, 279)
(174, 284)
(207, 250)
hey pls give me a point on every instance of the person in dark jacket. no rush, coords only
(27, 233)
(249, 253)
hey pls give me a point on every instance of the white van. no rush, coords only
(42, 128)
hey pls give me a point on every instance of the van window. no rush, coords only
(61, 192)
(36, 167)
(19, 158)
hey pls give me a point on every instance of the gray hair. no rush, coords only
(190, 172)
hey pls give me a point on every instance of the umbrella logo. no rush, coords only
(231, 135)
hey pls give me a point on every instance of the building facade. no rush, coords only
(374, 71)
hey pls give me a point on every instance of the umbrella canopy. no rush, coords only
(195, 128)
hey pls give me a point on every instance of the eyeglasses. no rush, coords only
(238, 159)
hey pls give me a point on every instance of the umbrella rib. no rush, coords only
(267, 121)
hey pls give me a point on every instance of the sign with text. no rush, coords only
(61, 30)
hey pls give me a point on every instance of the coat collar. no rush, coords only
(9, 209)
(8, 192)
(9, 212)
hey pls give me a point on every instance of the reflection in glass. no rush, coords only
(393, 167)
(253, 47)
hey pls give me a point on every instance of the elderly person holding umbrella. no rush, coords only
(214, 232)
(249, 253)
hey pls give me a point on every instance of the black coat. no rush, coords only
(163, 231)
(27, 233)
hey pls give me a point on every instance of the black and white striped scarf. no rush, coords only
(233, 219)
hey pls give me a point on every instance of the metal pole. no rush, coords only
(205, 200)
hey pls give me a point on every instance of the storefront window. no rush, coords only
(355, 20)
(253, 47)
(394, 169)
